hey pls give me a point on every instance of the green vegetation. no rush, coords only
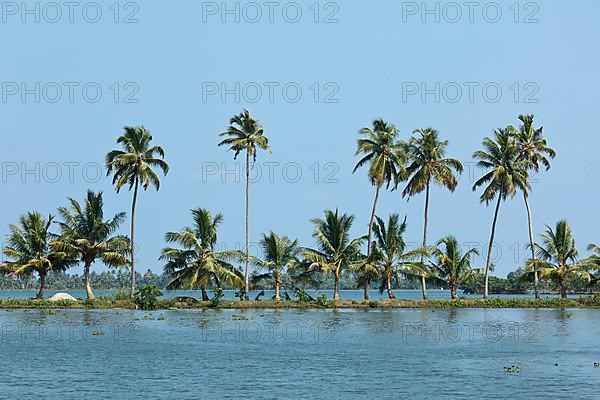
(37, 256)
(147, 296)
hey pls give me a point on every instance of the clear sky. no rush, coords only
(314, 74)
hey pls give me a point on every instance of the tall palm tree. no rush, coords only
(196, 263)
(533, 150)
(386, 157)
(505, 174)
(85, 232)
(452, 266)
(428, 164)
(30, 249)
(335, 250)
(391, 256)
(557, 256)
(133, 166)
(593, 261)
(280, 253)
(245, 134)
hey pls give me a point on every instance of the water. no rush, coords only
(300, 354)
(230, 294)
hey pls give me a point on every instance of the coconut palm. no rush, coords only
(427, 164)
(557, 257)
(534, 151)
(505, 173)
(85, 232)
(391, 256)
(245, 134)
(280, 253)
(386, 157)
(451, 266)
(133, 166)
(197, 263)
(593, 261)
(335, 250)
(30, 250)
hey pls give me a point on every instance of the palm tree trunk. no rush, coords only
(563, 289)
(531, 244)
(246, 273)
(277, 289)
(133, 204)
(388, 284)
(423, 281)
(88, 286)
(336, 286)
(40, 294)
(453, 295)
(369, 237)
(204, 294)
(489, 252)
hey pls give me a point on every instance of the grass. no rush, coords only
(112, 303)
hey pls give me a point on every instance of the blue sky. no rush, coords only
(373, 62)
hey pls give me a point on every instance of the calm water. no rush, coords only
(300, 354)
(230, 294)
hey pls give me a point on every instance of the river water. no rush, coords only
(300, 354)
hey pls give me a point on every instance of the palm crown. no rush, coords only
(533, 147)
(136, 161)
(30, 249)
(384, 154)
(451, 265)
(197, 263)
(85, 232)
(336, 251)
(427, 153)
(506, 172)
(245, 134)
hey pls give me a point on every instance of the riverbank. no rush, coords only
(174, 304)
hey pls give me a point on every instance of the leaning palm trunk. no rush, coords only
(246, 273)
(40, 294)
(452, 286)
(366, 283)
(488, 262)
(88, 286)
(277, 290)
(133, 203)
(388, 284)
(423, 280)
(531, 245)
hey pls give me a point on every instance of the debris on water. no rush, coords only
(97, 333)
(238, 317)
(597, 365)
(513, 369)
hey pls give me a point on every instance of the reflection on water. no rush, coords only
(369, 353)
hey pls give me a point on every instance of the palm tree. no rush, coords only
(280, 253)
(335, 250)
(452, 266)
(557, 256)
(428, 164)
(391, 256)
(245, 134)
(133, 166)
(197, 264)
(386, 158)
(593, 261)
(30, 249)
(86, 233)
(505, 173)
(533, 151)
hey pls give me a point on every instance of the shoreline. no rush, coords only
(171, 305)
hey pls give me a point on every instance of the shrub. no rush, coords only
(323, 301)
(147, 297)
(303, 297)
(218, 295)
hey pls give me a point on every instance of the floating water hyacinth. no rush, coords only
(512, 369)
(597, 365)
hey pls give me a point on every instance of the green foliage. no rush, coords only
(303, 297)
(323, 301)
(147, 296)
(218, 295)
